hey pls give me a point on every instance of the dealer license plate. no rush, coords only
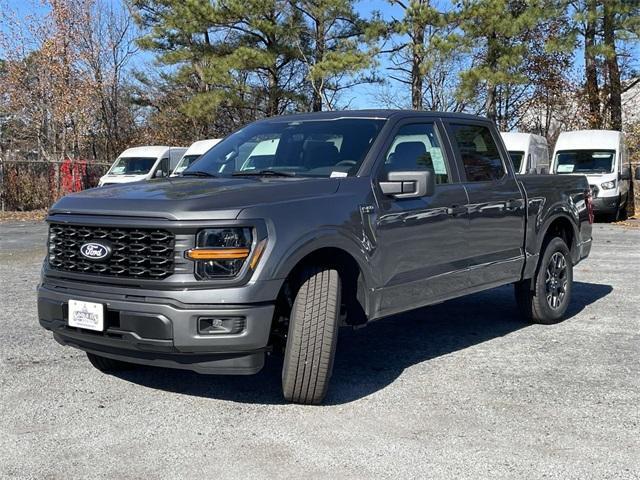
(87, 315)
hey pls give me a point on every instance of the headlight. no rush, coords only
(608, 185)
(221, 252)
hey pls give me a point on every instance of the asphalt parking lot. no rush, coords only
(459, 390)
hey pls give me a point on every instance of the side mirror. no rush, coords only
(158, 174)
(637, 176)
(625, 173)
(414, 184)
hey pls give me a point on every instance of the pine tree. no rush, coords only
(238, 54)
(494, 32)
(336, 47)
(410, 57)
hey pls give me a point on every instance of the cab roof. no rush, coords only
(589, 140)
(382, 114)
(148, 151)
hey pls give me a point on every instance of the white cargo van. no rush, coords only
(142, 163)
(529, 153)
(194, 152)
(602, 156)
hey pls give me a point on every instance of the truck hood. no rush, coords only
(192, 198)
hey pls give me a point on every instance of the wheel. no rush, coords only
(549, 298)
(621, 212)
(312, 336)
(107, 365)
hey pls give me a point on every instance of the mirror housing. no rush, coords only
(409, 184)
(625, 173)
(158, 174)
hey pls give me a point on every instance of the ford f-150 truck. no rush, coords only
(350, 217)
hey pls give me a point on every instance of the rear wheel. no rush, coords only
(312, 336)
(549, 298)
(107, 365)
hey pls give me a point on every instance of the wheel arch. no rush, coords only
(341, 252)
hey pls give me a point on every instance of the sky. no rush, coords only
(362, 96)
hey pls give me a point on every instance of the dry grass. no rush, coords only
(30, 216)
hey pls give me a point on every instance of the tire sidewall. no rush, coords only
(555, 245)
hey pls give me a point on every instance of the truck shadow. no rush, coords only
(371, 358)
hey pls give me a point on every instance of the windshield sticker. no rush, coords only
(565, 168)
(338, 175)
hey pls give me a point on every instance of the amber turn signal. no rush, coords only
(217, 253)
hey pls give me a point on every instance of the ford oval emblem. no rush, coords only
(95, 251)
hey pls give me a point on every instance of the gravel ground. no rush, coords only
(459, 390)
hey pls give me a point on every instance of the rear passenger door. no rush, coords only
(421, 242)
(496, 206)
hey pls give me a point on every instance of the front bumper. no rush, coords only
(608, 205)
(161, 331)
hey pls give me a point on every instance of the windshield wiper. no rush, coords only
(198, 173)
(266, 171)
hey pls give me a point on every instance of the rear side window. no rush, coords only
(479, 153)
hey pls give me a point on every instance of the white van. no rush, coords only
(529, 153)
(602, 156)
(194, 152)
(142, 163)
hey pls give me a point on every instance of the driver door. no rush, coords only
(421, 242)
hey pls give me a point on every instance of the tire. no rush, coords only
(312, 337)
(108, 365)
(547, 302)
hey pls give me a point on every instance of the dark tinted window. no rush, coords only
(480, 155)
(416, 147)
(516, 159)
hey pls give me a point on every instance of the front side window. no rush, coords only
(516, 159)
(479, 153)
(163, 168)
(584, 161)
(185, 162)
(132, 166)
(314, 148)
(416, 147)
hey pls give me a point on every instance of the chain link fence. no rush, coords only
(33, 184)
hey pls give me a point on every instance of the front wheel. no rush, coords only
(312, 336)
(547, 300)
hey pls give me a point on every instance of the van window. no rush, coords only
(163, 168)
(516, 159)
(132, 166)
(584, 161)
(479, 152)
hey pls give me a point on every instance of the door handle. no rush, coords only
(454, 210)
(511, 204)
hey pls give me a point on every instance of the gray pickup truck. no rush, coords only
(295, 226)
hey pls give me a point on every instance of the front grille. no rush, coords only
(135, 252)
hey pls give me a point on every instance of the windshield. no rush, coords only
(585, 161)
(132, 165)
(317, 148)
(185, 162)
(516, 159)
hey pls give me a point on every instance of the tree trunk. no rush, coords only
(491, 94)
(416, 66)
(615, 86)
(318, 83)
(591, 72)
